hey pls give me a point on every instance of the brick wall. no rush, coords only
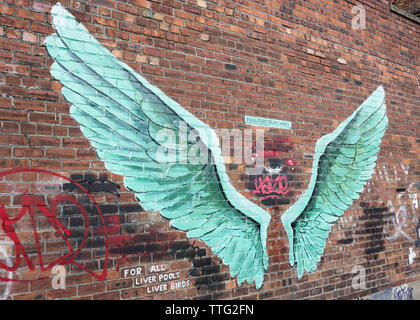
(411, 6)
(298, 61)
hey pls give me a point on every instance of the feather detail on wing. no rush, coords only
(139, 133)
(344, 161)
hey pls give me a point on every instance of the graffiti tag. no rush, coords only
(400, 221)
(269, 187)
(31, 203)
(403, 292)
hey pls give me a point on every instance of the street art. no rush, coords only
(403, 292)
(276, 147)
(345, 223)
(273, 184)
(373, 229)
(124, 117)
(32, 207)
(124, 245)
(72, 223)
(406, 208)
(128, 122)
(400, 221)
(93, 184)
(344, 161)
(156, 277)
(269, 187)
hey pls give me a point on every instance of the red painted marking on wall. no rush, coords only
(31, 202)
(119, 242)
(274, 148)
(290, 162)
(271, 188)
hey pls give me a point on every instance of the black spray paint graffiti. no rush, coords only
(348, 238)
(209, 277)
(47, 217)
(371, 234)
(374, 230)
(126, 241)
(93, 184)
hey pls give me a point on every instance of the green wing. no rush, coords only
(344, 161)
(141, 133)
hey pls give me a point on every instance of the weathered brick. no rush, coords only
(220, 61)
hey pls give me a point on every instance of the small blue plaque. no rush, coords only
(267, 122)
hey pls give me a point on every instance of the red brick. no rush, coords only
(43, 94)
(220, 61)
(75, 143)
(13, 68)
(13, 139)
(29, 104)
(106, 22)
(60, 153)
(62, 293)
(44, 141)
(5, 151)
(28, 152)
(12, 22)
(13, 34)
(5, 102)
(43, 117)
(91, 288)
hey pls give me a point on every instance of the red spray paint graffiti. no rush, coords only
(273, 184)
(118, 244)
(29, 204)
(271, 188)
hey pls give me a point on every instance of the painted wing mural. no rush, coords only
(128, 122)
(344, 161)
(139, 133)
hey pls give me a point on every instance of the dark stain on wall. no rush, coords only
(106, 209)
(92, 184)
(207, 272)
(373, 230)
(348, 238)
